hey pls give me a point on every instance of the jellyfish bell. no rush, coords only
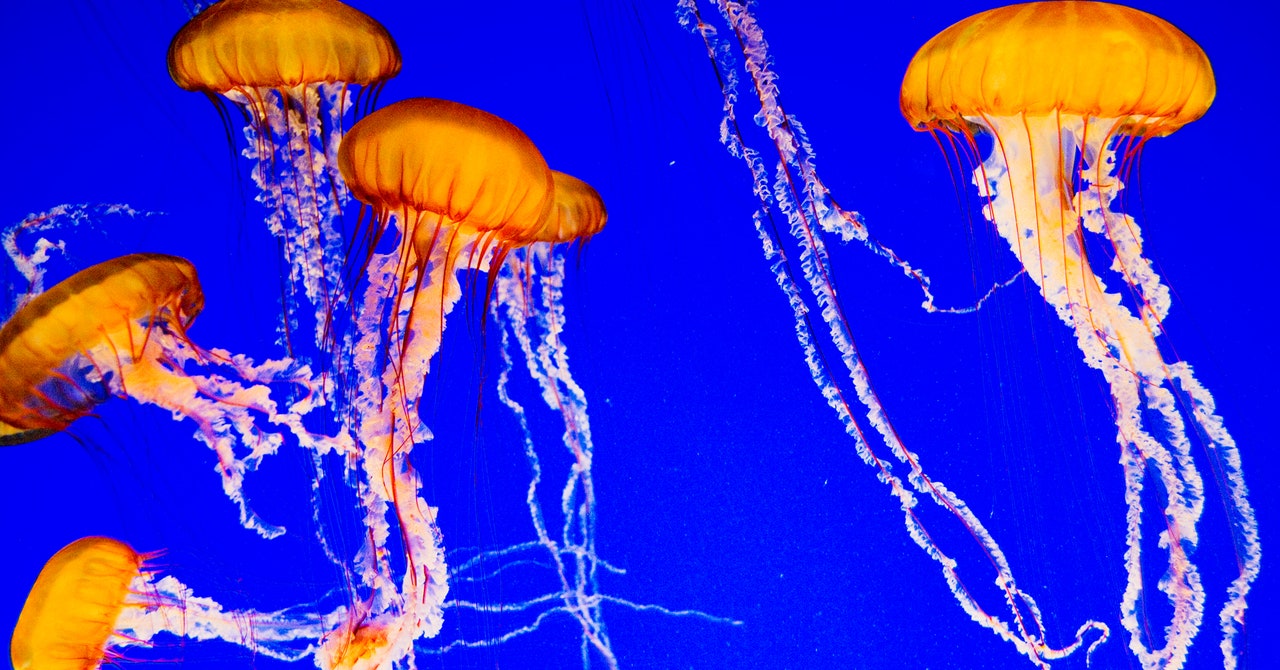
(249, 46)
(71, 612)
(55, 352)
(578, 213)
(290, 65)
(1087, 60)
(1069, 92)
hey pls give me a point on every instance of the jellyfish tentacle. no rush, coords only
(388, 427)
(804, 203)
(546, 360)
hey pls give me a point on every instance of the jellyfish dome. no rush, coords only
(445, 163)
(244, 44)
(1084, 59)
(578, 214)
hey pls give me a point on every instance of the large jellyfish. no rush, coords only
(120, 328)
(289, 66)
(1070, 92)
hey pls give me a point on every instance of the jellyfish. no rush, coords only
(290, 66)
(119, 328)
(1070, 93)
(70, 614)
(578, 215)
(447, 178)
(97, 597)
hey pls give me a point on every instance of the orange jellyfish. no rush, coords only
(289, 65)
(97, 596)
(1070, 92)
(71, 612)
(448, 179)
(119, 328)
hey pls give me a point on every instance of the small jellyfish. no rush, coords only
(578, 213)
(47, 348)
(70, 615)
(97, 597)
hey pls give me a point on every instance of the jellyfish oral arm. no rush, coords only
(1023, 180)
(1030, 210)
(294, 151)
(31, 264)
(159, 606)
(392, 360)
(539, 270)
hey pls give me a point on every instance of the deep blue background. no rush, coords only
(724, 482)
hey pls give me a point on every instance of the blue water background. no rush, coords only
(724, 483)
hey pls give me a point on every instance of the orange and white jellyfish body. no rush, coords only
(450, 182)
(119, 328)
(97, 597)
(70, 615)
(290, 65)
(1070, 91)
(529, 308)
